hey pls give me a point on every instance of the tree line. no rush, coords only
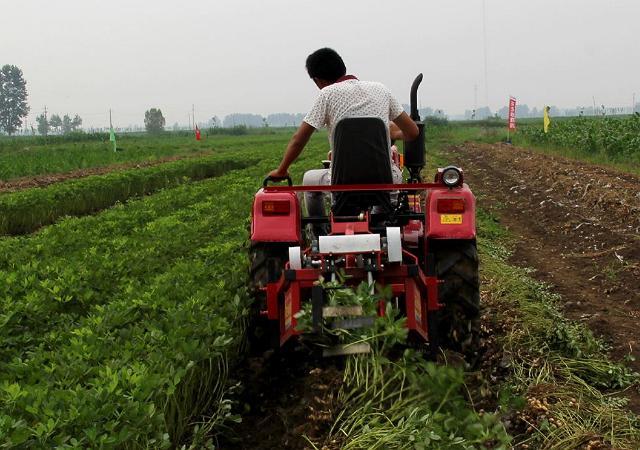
(64, 125)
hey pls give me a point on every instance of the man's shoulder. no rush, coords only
(374, 84)
(353, 85)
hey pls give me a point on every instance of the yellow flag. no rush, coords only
(546, 120)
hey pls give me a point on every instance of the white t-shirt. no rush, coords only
(352, 98)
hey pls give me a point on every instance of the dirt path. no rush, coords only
(577, 225)
(283, 399)
(43, 180)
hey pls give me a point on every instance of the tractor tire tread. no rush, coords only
(458, 325)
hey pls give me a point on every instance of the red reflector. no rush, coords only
(272, 207)
(450, 205)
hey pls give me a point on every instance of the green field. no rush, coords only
(30, 156)
(119, 326)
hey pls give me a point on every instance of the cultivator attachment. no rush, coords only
(358, 256)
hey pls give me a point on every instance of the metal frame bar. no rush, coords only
(356, 187)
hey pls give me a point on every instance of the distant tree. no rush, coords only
(43, 125)
(249, 120)
(76, 122)
(55, 122)
(13, 98)
(284, 119)
(66, 124)
(154, 121)
(483, 112)
(426, 112)
(522, 110)
(554, 111)
(503, 112)
(215, 122)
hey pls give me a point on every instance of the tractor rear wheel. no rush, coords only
(457, 324)
(267, 261)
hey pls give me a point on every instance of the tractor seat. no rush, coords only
(360, 155)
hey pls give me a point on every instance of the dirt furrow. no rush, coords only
(577, 225)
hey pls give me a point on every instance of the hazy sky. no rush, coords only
(86, 56)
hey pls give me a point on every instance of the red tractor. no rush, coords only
(416, 239)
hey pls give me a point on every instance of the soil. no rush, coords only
(577, 225)
(43, 180)
(283, 398)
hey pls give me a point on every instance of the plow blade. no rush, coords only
(347, 349)
(353, 324)
(338, 311)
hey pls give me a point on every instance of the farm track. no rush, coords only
(38, 181)
(577, 225)
(283, 398)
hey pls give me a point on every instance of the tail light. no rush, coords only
(450, 205)
(276, 207)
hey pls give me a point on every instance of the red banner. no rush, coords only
(512, 113)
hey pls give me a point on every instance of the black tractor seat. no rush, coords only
(360, 155)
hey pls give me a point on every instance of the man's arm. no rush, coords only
(406, 128)
(294, 148)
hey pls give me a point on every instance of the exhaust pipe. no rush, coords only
(414, 151)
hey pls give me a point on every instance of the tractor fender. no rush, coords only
(282, 225)
(450, 224)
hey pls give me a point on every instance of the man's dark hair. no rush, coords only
(325, 64)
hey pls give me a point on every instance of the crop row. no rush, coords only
(97, 339)
(25, 211)
(614, 138)
(28, 157)
(117, 328)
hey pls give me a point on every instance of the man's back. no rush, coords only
(352, 98)
(342, 96)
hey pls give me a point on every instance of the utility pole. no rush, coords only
(595, 113)
(633, 104)
(46, 128)
(475, 100)
(484, 33)
(193, 114)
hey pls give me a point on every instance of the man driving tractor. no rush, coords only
(415, 239)
(342, 96)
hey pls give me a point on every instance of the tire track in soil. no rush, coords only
(577, 225)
